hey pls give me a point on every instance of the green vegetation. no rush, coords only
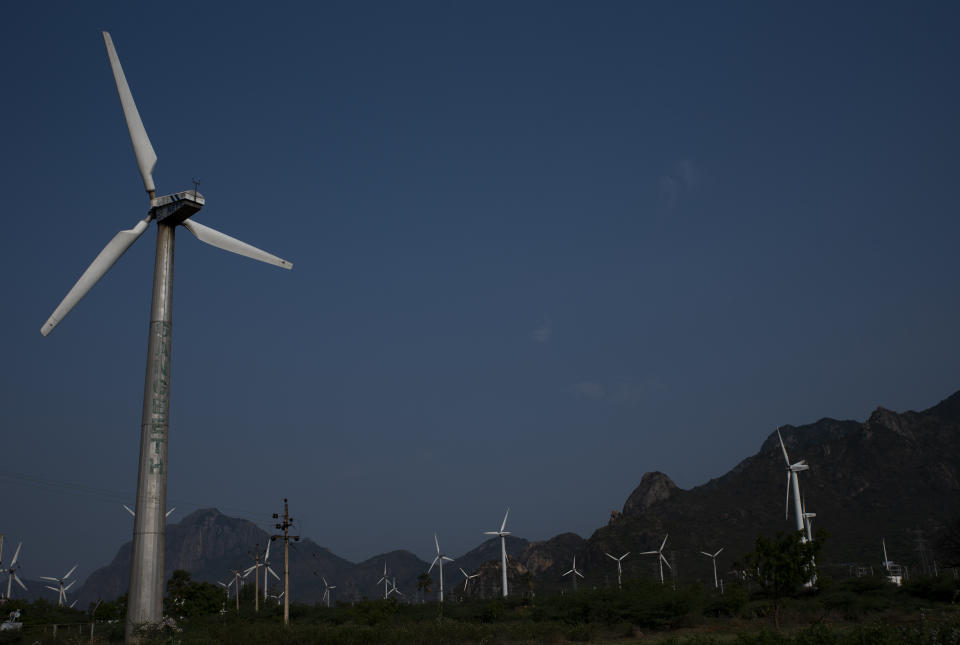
(773, 594)
(857, 611)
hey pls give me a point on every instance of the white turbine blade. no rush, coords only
(70, 571)
(609, 556)
(706, 554)
(624, 555)
(15, 555)
(49, 578)
(785, 457)
(435, 560)
(146, 157)
(381, 580)
(333, 586)
(222, 241)
(101, 264)
(170, 511)
(664, 541)
(248, 571)
(786, 503)
(324, 581)
(567, 573)
(129, 510)
(504, 525)
(447, 559)
(437, 542)
(665, 561)
(20, 582)
(649, 553)
(57, 589)
(69, 585)
(72, 604)
(273, 573)
(221, 584)
(579, 574)
(718, 552)
(463, 572)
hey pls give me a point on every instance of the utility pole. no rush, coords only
(285, 527)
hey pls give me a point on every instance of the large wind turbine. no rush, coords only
(659, 552)
(793, 482)
(503, 549)
(144, 604)
(619, 567)
(713, 558)
(439, 560)
(11, 572)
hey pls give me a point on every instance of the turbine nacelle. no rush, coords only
(176, 208)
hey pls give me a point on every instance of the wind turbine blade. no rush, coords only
(491, 533)
(504, 525)
(247, 572)
(69, 585)
(433, 564)
(463, 572)
(72, 604)
(142, 149)
(718, 552)
(16, 554)
(624, 555)
(786, 503)
(70, 571)
(706, 554)
(579, 574)
(447, 559)
(57, 589)
(665, 561)
(101, 264)
(437, 542)
(48, 578)
(222, 241)
(567, 573)
(273, 573)
(129, 510)
(664, 541)
(170, 511)
(649, 552)
(267, 556)
(20, 582)
(785, 457)
(609, 556)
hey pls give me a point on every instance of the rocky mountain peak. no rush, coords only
(892, 421)
(654, 487)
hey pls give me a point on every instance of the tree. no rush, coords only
(186, 598)
(424, 581)
(783, 565)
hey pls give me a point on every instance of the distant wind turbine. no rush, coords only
(268, 571)
(326, 590)
(793, 481)
(439, 560)
(385, 581)
(713, 558)
(503, 549)
(60, 588)
(619, 568)
(573, 570)
(659, 552)
(11, 572)
(467, 578)
(134, 515)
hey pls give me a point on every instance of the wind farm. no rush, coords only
(609, 274)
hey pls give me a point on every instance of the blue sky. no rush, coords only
(540, 249)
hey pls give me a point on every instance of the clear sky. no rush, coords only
(540, 248)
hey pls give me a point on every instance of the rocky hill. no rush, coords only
(885, 477)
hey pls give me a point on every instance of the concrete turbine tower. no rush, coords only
(145, 599)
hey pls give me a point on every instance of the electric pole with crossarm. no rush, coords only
(285, 527)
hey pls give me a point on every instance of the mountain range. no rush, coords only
(893, 476)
